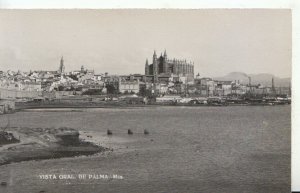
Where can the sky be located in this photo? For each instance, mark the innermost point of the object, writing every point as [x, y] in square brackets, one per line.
[218, 41]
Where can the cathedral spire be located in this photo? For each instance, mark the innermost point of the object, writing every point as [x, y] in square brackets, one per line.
[147, 67]
[154, 57]
[154, 54]
[165, 55]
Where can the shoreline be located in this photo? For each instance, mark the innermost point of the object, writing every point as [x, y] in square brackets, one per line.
[126, 106]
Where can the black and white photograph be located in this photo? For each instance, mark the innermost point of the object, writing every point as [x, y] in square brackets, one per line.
[145, 100]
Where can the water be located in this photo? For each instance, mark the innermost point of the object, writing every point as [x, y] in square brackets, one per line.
[189, 149]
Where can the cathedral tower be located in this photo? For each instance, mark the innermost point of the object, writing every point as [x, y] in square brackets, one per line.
[146, 68]
[61, 69]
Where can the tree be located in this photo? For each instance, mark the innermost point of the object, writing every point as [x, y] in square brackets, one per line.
[92, 92]
[145, 92]
[111, 89]
[74, 77]
[61, 88]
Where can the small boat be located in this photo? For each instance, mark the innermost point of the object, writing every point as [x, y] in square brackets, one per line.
[130, 132]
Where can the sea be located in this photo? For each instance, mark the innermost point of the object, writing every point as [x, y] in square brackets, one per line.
[232, 149]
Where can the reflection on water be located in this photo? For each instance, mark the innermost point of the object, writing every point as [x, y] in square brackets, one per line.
[205, 149]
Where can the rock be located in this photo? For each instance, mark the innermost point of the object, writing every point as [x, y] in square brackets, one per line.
[130, 132]
[67, 136]
[109, 132]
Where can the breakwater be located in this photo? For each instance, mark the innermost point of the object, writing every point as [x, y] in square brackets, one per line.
[118, 104]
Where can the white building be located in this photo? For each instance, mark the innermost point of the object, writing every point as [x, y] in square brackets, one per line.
[129, 86]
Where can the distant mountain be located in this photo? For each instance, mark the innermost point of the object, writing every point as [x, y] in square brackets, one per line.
[263, 78]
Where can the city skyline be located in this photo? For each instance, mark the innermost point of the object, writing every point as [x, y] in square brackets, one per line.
[120, 41]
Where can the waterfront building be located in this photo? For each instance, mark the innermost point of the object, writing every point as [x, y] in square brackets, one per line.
[241, 90]
[131, 86]
[223, 88]
[30, 86]
[17, 94]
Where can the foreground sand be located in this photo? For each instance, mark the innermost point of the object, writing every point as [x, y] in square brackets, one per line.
[46, 143]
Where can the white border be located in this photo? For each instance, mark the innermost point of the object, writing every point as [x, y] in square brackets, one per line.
[148, 4]
[199, 4]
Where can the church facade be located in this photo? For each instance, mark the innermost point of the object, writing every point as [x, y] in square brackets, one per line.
[163, 66]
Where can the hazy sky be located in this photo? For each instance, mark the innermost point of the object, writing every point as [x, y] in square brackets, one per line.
[119, 41]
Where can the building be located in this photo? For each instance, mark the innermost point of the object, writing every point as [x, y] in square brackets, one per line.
[129, 86]
[223, 88]
[163, 67]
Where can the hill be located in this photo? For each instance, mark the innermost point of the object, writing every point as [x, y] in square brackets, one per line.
[263, 78]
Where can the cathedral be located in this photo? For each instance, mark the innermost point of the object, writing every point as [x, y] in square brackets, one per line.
[164, 66]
